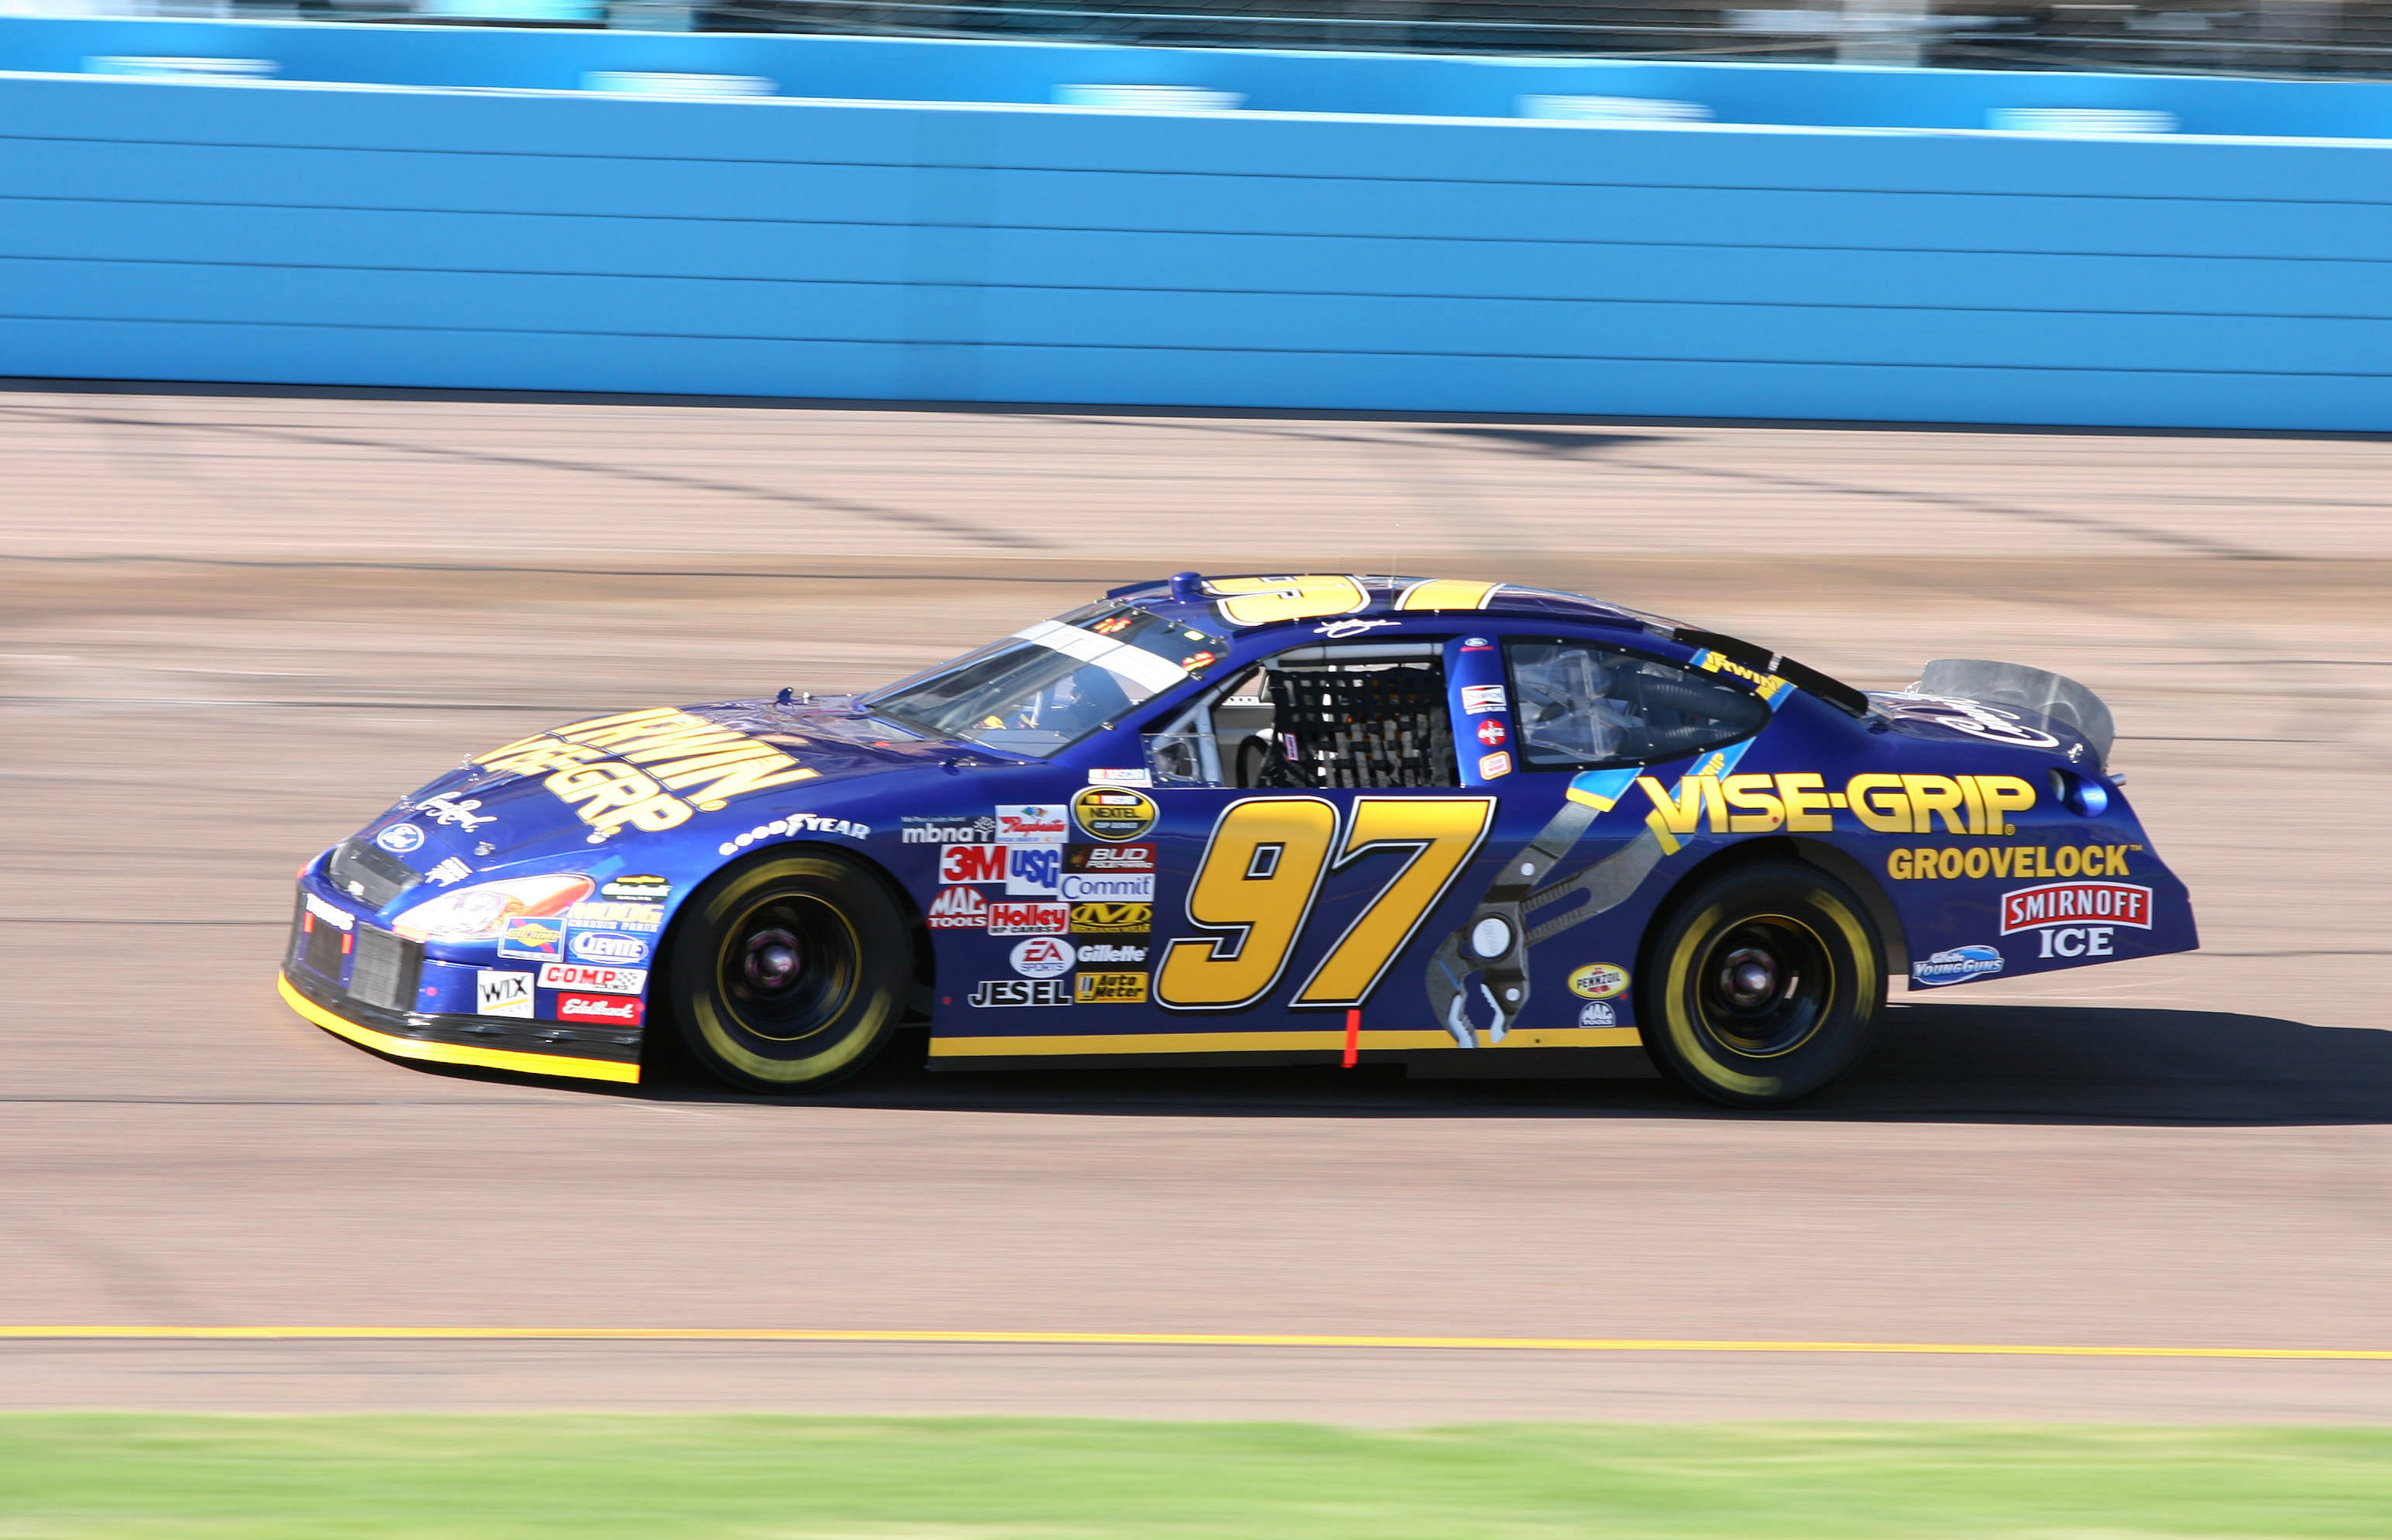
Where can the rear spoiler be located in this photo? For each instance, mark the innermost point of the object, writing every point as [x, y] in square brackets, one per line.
[2046, 695]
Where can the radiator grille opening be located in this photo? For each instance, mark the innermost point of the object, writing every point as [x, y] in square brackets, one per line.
[371, 874]
[318, 948]
[385, 970]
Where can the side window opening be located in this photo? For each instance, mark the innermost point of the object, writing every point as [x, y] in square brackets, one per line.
[1317, 717]
[1580, 705]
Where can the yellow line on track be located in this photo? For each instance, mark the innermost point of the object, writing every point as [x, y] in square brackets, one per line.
[1150, 1339]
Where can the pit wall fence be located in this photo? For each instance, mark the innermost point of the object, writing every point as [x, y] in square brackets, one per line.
[901, 219]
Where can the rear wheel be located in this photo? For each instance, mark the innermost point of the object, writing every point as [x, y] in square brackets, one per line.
[789, 973]
[1761, 985]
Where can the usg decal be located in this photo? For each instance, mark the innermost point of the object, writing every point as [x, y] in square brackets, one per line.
[1031, 870]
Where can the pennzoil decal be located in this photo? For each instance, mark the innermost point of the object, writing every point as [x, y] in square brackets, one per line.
[649, 769]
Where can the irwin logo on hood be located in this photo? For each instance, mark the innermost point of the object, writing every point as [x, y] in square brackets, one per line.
[649, 769]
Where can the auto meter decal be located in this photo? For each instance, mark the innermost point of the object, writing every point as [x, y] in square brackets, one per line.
[1113, 813]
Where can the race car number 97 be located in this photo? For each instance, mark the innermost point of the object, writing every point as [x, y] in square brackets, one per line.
[1262, 871]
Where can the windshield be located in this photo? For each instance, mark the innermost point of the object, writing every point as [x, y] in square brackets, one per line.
[1050, 684]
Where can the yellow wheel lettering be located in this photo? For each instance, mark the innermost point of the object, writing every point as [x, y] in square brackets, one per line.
[1263, 601]
[1443, 832]
[1254, 888]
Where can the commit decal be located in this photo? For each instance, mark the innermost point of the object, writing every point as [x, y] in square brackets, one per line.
[649, 769]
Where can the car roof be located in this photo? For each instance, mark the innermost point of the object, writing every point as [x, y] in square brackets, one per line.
[1241, 603]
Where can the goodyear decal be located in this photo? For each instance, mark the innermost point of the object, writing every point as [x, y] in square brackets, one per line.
[649, 769]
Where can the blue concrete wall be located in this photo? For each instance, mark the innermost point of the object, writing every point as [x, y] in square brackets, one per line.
[337, 234]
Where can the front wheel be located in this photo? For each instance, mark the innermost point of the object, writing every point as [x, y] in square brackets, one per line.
[789, 973]
[1761, 985]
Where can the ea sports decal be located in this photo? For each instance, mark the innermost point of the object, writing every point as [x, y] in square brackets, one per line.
[1041, 957]
[1113, 813]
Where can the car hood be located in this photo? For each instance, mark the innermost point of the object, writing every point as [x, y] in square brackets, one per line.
[678, 776]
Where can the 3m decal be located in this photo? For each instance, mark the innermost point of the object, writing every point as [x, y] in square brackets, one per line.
[1113, 813]
[650, 769]
[501, 992]
[582, 975]
[1266, 601]
[1110, 989]
[1261, 870]
[2016, 861]
[1111, 919]
[1027, 916]
[974, 863]
[2074, 903]
[1599, 981]
[958, 910]
[992, 992]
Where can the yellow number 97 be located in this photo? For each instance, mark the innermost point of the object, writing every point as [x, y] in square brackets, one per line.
[1256, 884]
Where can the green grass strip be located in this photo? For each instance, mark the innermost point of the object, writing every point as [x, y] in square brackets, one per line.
[69, 1476]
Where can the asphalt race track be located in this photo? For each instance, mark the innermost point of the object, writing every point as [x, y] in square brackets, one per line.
[232, 627]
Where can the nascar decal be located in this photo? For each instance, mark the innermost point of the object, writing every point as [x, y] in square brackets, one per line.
[650, 769]
[1113, 813]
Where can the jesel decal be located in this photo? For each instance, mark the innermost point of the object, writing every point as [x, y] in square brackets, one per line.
[1800, 803]
[649, 769]
[1910, 865]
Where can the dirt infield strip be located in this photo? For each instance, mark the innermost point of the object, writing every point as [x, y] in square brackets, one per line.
[232, 627]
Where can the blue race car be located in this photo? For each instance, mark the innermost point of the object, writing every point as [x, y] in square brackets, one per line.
[1466, 826]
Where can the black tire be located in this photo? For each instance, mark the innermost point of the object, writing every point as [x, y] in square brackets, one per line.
[790, 972]
[1761, 985]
